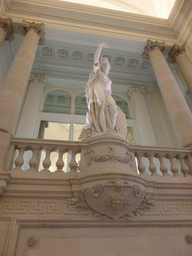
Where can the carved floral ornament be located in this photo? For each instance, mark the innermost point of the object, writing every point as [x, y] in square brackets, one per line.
[7, 25]
[188, 239]
[38, 27]
[150, 46]
[31, 242]
[115, 199]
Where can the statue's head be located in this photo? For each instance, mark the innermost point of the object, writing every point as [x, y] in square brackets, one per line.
[105, 65]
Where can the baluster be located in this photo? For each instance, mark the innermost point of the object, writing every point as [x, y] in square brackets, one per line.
[73, 163]
[141, 165]
[33, 161]
[174, 167]
[152, 166]
[184, 167]
[19, 161]
[163, 167]
[47, 162]
[60, 163]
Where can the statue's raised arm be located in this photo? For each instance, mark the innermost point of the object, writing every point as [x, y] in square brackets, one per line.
[102, 114]
[98, 52]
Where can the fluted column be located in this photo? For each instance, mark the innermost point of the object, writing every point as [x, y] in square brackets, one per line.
[6, 30]
[179, 56]
[176, 105]
[15, 83]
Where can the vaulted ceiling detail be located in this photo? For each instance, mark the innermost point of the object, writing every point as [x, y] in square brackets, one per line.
[154, 8]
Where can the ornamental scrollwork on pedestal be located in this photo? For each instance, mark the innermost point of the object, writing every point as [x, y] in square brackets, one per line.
[114, 199]
[38, 27]
[109, 157]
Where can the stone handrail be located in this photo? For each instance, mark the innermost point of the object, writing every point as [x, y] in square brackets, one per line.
[172, 161]
[149, 160]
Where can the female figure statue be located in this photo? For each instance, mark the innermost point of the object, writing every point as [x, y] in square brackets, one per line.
[102, 112]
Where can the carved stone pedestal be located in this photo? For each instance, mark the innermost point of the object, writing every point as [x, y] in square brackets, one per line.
[107, 153]
[108, 184]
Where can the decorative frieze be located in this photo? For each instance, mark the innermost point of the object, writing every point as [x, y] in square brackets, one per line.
[150, 46]
[7, 25]
[146, 65]
[61, 53]
[119, 61]
[47, 52]
[38, 27]
[78, 206]
[77, 55]
[133, 63]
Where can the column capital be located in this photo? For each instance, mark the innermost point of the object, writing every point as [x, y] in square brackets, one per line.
[150, 46]
[39, 78]
[175, 51]
[7, 25]
[135, 89]
[38, 27]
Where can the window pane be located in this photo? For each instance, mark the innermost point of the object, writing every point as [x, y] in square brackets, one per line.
[81, 104]
[77, 130]
[57, 101]
[129, 136]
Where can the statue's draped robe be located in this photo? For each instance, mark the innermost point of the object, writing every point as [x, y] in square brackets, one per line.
[98, 93]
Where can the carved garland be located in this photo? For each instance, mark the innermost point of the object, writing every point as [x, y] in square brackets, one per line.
[109, 157]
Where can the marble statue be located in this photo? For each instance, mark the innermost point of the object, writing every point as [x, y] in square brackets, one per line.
[103, 111]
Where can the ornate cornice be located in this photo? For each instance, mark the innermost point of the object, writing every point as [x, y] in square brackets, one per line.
[38, 27]
[175, 51]
[150, 46]
[94, 17]
[6, 24]
[125, 78]
[74, 15]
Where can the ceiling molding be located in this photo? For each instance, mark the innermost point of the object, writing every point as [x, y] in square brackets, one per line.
[100, 21]
[116, 78]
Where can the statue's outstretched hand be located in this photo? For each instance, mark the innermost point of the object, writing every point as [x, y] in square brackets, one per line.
[103, 45]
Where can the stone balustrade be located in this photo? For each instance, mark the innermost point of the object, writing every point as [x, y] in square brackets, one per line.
[150, 161]
[162, 161]
[35, 146]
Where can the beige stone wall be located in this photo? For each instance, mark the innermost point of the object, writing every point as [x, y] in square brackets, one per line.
[47, 237]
